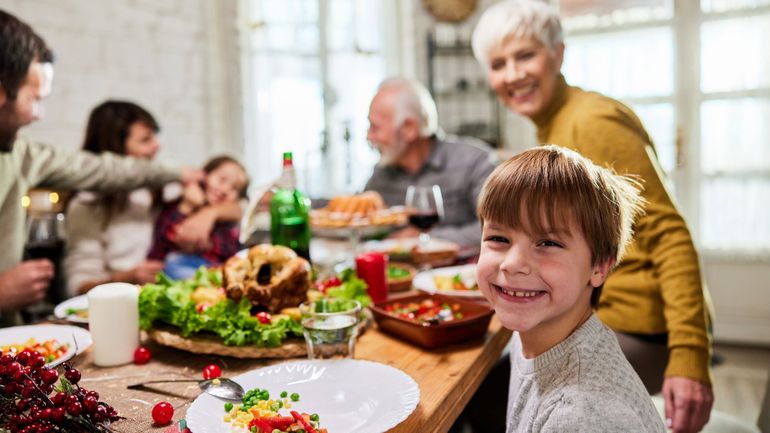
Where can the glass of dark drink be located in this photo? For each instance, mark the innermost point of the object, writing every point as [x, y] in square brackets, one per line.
[44, 241]
[425, 207]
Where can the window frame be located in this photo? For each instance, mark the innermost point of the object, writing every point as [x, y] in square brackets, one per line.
[687, 99]
[329, 144]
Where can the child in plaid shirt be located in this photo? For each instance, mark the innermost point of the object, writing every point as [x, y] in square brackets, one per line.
[226, 181]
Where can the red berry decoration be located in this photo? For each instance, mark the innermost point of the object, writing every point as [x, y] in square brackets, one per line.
[29, 404]
[23, 357]
[36, 360]
[90, 404]
[74, 409]
[73, 375]
[162, 413]
[49, 376]
[141, 355]
[212, 371]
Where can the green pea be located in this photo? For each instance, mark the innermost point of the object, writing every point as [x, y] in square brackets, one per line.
[294, 396]
[228, 407]
[284, 394]
[314, 417]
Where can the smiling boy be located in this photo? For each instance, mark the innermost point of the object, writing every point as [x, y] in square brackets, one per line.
[554, 224]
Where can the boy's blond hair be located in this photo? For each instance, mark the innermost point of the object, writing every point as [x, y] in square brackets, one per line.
[542, 189]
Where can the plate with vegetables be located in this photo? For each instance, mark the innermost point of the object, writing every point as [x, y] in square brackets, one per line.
[336, 396]
[74, 309]
[56, 343]
[449, 281]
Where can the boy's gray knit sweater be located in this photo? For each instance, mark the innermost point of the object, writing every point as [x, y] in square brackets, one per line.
[583, 384]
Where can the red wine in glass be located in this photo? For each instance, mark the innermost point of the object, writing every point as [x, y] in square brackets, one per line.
[424, 220]
[426, 208]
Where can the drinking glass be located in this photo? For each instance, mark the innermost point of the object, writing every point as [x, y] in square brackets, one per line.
[425, 207]
[330, 327]
[45, 241]
[43, 237]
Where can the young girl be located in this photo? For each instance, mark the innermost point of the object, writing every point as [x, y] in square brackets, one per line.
[226, 182]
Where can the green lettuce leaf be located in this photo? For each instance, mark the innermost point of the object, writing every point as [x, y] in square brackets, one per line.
[352, 288]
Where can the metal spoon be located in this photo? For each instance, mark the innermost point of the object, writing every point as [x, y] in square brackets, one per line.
[220, 387]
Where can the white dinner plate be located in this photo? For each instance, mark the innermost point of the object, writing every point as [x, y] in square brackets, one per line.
[76, 303]
[424, 280]
[349, 395]
[73, 336]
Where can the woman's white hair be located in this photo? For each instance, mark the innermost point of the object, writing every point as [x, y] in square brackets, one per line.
[412, 100]
[518, 19]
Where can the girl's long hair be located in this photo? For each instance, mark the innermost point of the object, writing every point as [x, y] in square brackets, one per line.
[108, 129]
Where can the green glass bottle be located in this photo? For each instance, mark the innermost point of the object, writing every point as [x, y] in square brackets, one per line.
[290, 212]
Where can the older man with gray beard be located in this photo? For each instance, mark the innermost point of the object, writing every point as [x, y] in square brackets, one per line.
[403, 127]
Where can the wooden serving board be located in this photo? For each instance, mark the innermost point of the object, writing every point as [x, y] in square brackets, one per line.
[211, 345]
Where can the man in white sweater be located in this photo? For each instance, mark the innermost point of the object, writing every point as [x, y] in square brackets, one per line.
[553, 226]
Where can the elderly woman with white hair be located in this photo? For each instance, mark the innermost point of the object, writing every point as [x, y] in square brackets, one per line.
[654, 300]
[403, 127]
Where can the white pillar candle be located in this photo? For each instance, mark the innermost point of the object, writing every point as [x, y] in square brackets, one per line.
[113, 319]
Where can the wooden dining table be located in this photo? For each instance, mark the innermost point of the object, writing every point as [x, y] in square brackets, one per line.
[447, 377]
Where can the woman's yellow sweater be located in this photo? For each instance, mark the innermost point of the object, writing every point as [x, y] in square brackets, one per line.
[657, 287]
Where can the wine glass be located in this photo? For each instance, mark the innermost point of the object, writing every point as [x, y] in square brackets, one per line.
[425, 207]
[44, 241]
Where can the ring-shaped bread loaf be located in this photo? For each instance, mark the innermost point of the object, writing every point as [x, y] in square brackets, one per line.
[272, 276]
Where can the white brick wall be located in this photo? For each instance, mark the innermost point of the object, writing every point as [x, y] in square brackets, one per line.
[177, 58]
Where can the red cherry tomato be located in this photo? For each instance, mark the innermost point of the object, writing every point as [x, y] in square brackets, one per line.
[162, 413]
[141, 355]
[264, 317]
[212, 371]
[326, 284]
[333, 282]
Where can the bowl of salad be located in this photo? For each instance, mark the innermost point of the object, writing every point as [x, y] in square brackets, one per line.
[432, 321]
[400, 276]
